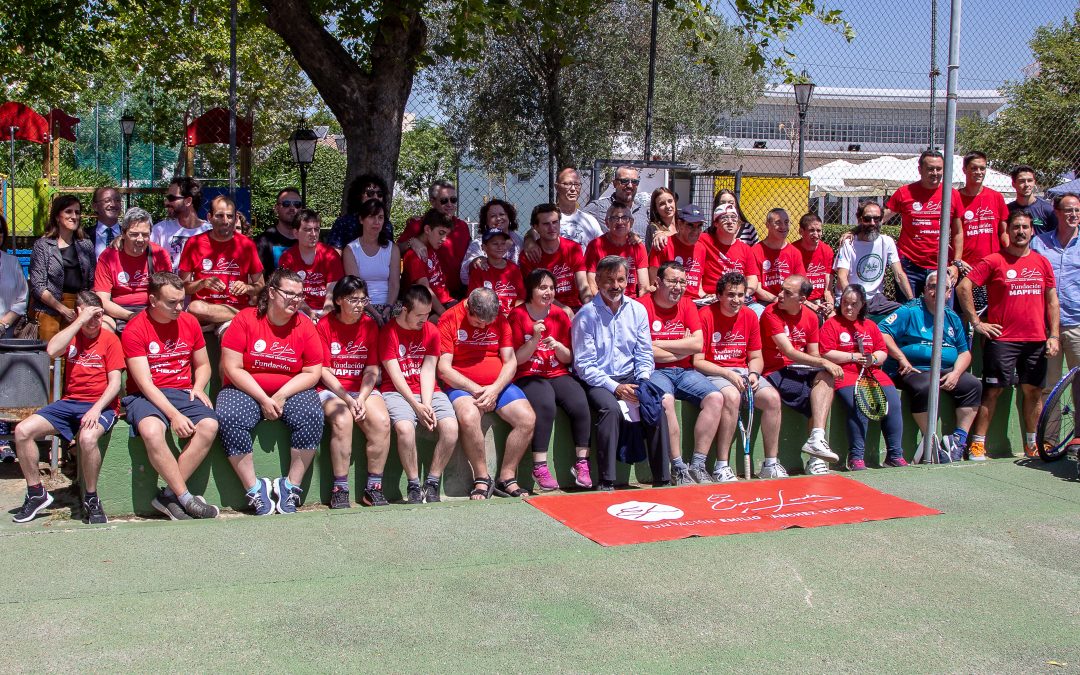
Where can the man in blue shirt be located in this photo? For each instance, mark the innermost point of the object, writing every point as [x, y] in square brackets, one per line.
[1043, 217]
[612, 354]
[909, 337]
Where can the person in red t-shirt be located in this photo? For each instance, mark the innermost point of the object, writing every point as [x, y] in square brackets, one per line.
[500, 274]
[1022, 300]
[817, 260]
[982, 212]
[317, 264]
[350, 340]
[443, 198]
[87, 410]
[124, 268]
[220, 269]
[675, 327]
[789, 340]
[168, 371]
[775, 257]
[409, 353]
[616, 241]
[477, 364]
[686, 248]
[851, 341]
[427, 268]
[271, 360]
[559, 255]
[544, 356]
[726, 252]
[732, 360]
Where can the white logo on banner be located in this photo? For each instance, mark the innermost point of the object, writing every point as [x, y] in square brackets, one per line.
[644, 512]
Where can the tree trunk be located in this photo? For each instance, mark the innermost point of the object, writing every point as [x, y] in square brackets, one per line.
[368, 104]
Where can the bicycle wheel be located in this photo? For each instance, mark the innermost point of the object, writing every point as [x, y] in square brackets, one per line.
[1057, 421]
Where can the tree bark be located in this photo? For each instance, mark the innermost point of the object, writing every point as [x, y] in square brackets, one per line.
[368, 103]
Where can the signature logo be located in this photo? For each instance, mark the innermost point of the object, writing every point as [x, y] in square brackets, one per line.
[644, 512]
[724, 502]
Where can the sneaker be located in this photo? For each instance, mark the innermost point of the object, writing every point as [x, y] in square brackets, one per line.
[580, 472]
[856, 464]
[1031, 451]
[414, 495]
[725, 474]
[7, 455]
[169, 505]
[262, 502]
[287, 498]
[700, 474]
[681, 477]
[339, 498]
[31, 506]
[819, 447]
[92, 513]
[776, 470]
[373, 496]
[977, 451]
[951, 450]
[816, 467]
[431, 491]
[544, 480]
[896, 462]
[1071, 448]
[605, 486]
[199, 509]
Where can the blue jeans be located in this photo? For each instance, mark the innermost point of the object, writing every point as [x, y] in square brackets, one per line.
[685, 384]
[892, 425]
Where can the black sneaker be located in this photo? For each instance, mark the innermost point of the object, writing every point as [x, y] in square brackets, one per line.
[373, 496]
[169, 506]
[682, 476]
[199, 509]
[431, 491]
[605, 486]
[339, 498]
[92, 513]
[31, 506]
[701, 475]
[415, 495]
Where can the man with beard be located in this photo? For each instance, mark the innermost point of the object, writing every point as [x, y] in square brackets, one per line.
[863, 260]
[182, 201]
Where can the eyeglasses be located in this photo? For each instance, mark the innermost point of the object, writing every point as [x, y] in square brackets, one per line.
[675, 282]
[628, 181]
[287, 203]
[373, 192]
[289, 297]
[571, 186]
[173, 198]
[448, 200]
[619, 219]
[871, 219]
[356, 302]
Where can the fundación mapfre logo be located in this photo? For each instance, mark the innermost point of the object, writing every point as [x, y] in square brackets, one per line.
[644, 512]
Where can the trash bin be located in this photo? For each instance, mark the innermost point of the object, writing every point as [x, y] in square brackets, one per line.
[24, 374]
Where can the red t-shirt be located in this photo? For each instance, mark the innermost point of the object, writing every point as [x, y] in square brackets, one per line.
[721, 259]
[839, 334]
[168, 348]
[408, 348]
[730, 339]
[982, 216]
[272, 354]
[564, 264]
[817, 266]
[507, 283]
[451, 253]
[89, 362]
[633, 253]
[801, 330]
[920, 222]
[672, 323]
[475, 350]
[1015, 293]
[326, 269]
[690, 257]
[431, 268]
[776, 266]
[543, 362]
[349, 348]
[125, 277]
[230, 261]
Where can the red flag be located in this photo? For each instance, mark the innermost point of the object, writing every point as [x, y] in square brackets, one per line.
[213, 127]
[63, 124]
[31, 126]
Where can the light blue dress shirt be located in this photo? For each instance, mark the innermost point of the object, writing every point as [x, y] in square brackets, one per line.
[611, 344]
[1066, 263]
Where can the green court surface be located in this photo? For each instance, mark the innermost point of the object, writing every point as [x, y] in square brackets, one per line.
[992, 585]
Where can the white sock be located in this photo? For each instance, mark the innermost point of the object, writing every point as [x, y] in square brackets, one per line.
[1029, 439]
[719, 464]
[769, 461]
[817, 433]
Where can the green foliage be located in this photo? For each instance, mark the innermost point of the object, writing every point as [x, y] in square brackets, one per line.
[326, 175]
[1040, 125]
[426, 156]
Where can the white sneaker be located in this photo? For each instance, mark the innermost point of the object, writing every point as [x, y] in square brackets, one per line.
[725, 475]
[773, 471]
[820, 448]
[816, 467]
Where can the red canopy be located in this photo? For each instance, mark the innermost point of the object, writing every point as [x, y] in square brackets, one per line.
[63, 124]
[213, 127]
[31, 126]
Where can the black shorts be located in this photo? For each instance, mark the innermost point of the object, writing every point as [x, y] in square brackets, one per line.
[139, 408]
[1006, 364]
[794, 385]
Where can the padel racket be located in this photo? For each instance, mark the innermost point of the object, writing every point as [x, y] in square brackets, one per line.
[869, 396]
[746, 423]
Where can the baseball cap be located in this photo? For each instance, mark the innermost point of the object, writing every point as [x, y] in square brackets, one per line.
[721, 209]
[691, 213]
[490, 234]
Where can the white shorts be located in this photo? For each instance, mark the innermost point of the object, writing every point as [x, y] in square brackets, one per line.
[325, 394]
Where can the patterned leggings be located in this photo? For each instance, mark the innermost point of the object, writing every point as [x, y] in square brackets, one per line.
[238, 414]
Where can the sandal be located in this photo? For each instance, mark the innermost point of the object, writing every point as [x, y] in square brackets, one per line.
[502, 488]
[482, 492]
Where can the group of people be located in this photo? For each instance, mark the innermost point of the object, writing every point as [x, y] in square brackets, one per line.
[610, 312]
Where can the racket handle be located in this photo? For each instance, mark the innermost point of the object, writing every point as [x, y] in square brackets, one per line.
[747, 462]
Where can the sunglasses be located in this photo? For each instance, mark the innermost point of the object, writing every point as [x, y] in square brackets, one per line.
[628, 181]
[173, 198]
[448, 200]
[291, 203]
[871, 219]
[372, 192]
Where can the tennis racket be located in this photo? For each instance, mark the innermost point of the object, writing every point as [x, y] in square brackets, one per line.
[746, 423]
[869, 396]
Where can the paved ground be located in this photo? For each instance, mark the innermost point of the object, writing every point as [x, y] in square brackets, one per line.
[990, 586]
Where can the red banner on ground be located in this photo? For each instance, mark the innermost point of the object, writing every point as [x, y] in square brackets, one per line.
[663, 514]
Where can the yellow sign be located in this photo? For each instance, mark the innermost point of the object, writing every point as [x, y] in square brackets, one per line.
[761, 194]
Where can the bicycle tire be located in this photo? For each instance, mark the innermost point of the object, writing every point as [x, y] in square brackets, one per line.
[1062, 400]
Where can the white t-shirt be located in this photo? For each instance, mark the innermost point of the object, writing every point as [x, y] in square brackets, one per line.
[580, 227]
[867, 261]
[169, 235]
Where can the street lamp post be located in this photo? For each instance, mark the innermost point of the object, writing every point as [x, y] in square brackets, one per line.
[804, 89]
[127, 127]
[302, 147]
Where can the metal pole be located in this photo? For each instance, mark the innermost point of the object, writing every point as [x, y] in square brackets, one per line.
[931, 436]
[11, 182]
[802, 145]
[232, 100]
[303, 184]
[652, 80]
[934, 73]
[127, 171]
[97, 138]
